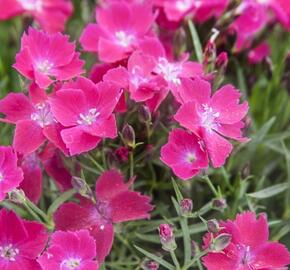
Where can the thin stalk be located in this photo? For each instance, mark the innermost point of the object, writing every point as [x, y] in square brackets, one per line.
[174, 259]
[99, 166]
[211, 186]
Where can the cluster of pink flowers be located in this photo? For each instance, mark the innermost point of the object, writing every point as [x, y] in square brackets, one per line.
[66, 114]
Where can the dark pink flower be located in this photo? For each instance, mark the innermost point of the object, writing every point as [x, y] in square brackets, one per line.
[21, 242]
[249, 247]
[115, 203]
[10, 174]
[118, 31]
[184, 153]
[51, 15]
[212, 117]
[33, 119]
[70, 250]
[259, 53]
[86, 110]
[46, 58]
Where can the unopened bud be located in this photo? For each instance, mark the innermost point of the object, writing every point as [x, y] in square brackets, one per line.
[194, 248]
[17, 196]
[186, 206]
[144, 114]
[213, 226]
[167, 238]
[222, 61]
[221, 242]
[128, 134]
[150, 265]
[209, 56]
[122, 153]
[219, 204]
[81, 187]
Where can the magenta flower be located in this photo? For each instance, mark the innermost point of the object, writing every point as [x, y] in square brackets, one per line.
[212, 117]
[184, 153]
[118, 31]
[33, 119]
[115, 203]
[45, 58]
[259, 53]
[86, 110]
[51, 15]
[249, 247]
[70, 250]
[171, 71]
[10, 174]
[21, 242]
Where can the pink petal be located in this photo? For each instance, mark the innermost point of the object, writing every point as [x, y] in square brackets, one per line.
[218, 261]
[109, 184]
[90, 37]
[226, 102]
[118, 76]
[129, 205]
[232, 131]
[16, 107]
[10, 8]
[42, 80]
[77, 141]
[152, 47]
[28, 136]
[24, 63]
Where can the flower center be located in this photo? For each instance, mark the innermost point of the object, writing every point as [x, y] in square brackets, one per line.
[71, 264]
[44, 66]
[190, 157]
[124, 39]
[169, 71]
[31, 4]
[1, 177]
[184, 5]
[8, 252]
[137, 78]
[42, 115]
[208, 117]
[89, 118]
[262, 2]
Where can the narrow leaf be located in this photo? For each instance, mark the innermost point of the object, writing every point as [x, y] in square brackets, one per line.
[269, 192]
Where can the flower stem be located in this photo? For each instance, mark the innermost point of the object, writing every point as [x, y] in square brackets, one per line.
[211, 186]
[174, 259]
[131, 157]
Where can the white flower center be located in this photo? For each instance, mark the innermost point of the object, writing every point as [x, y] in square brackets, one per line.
[31, 4]
[44, 66]
[263, 2]
[43, 115]
[8, 252]
[1, 177]
[208, 117]
[137, 78]
[71, 264]
[169, 71]
[190, 157]
[89, 118]
[124, 39]
[183, 5]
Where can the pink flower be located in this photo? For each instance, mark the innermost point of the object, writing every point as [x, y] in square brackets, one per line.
[115, 203]
[86, 110]
[212, 118]
[51, 15]
[33, 119]
[259, 53]
[21, 242]
[10, 174]
[249, 247]
[171, 71]
[118, 31]
[184, 154]
[46, 58]
[70, 250]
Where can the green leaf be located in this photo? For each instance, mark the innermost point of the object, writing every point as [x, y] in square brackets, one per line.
[177, 191]
[59, 201]
[155, 258]
[269, 192]
[196, 41]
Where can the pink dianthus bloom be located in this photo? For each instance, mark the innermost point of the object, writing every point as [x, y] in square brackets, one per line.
[51, 15]
[212, 117]
[118, 31]
[115, 203]
[33, 119]
[70, 250]
[86, 110]
[184, 153]
[21, 242]
[45, 58]
[259, 53]
[10, 174]
[249, 247]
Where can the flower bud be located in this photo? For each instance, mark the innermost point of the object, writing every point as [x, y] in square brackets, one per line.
[122, 153]
[149, 265]
[186, 206]
[128, 134]
[17, 196]
[144, 114]
[213, 226]
[167, 238]
[222, 61]
[209, 56]
[219, 204]
[221, 242]
[81, 187]
[194, 248]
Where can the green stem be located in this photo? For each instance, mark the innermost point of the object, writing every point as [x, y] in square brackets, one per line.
[186, 239]
[32, 213]
[195, 259]
[100, 167]
[131, 157]
[211, 186]
[35, 209]
[174, 259]
[195, 41]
